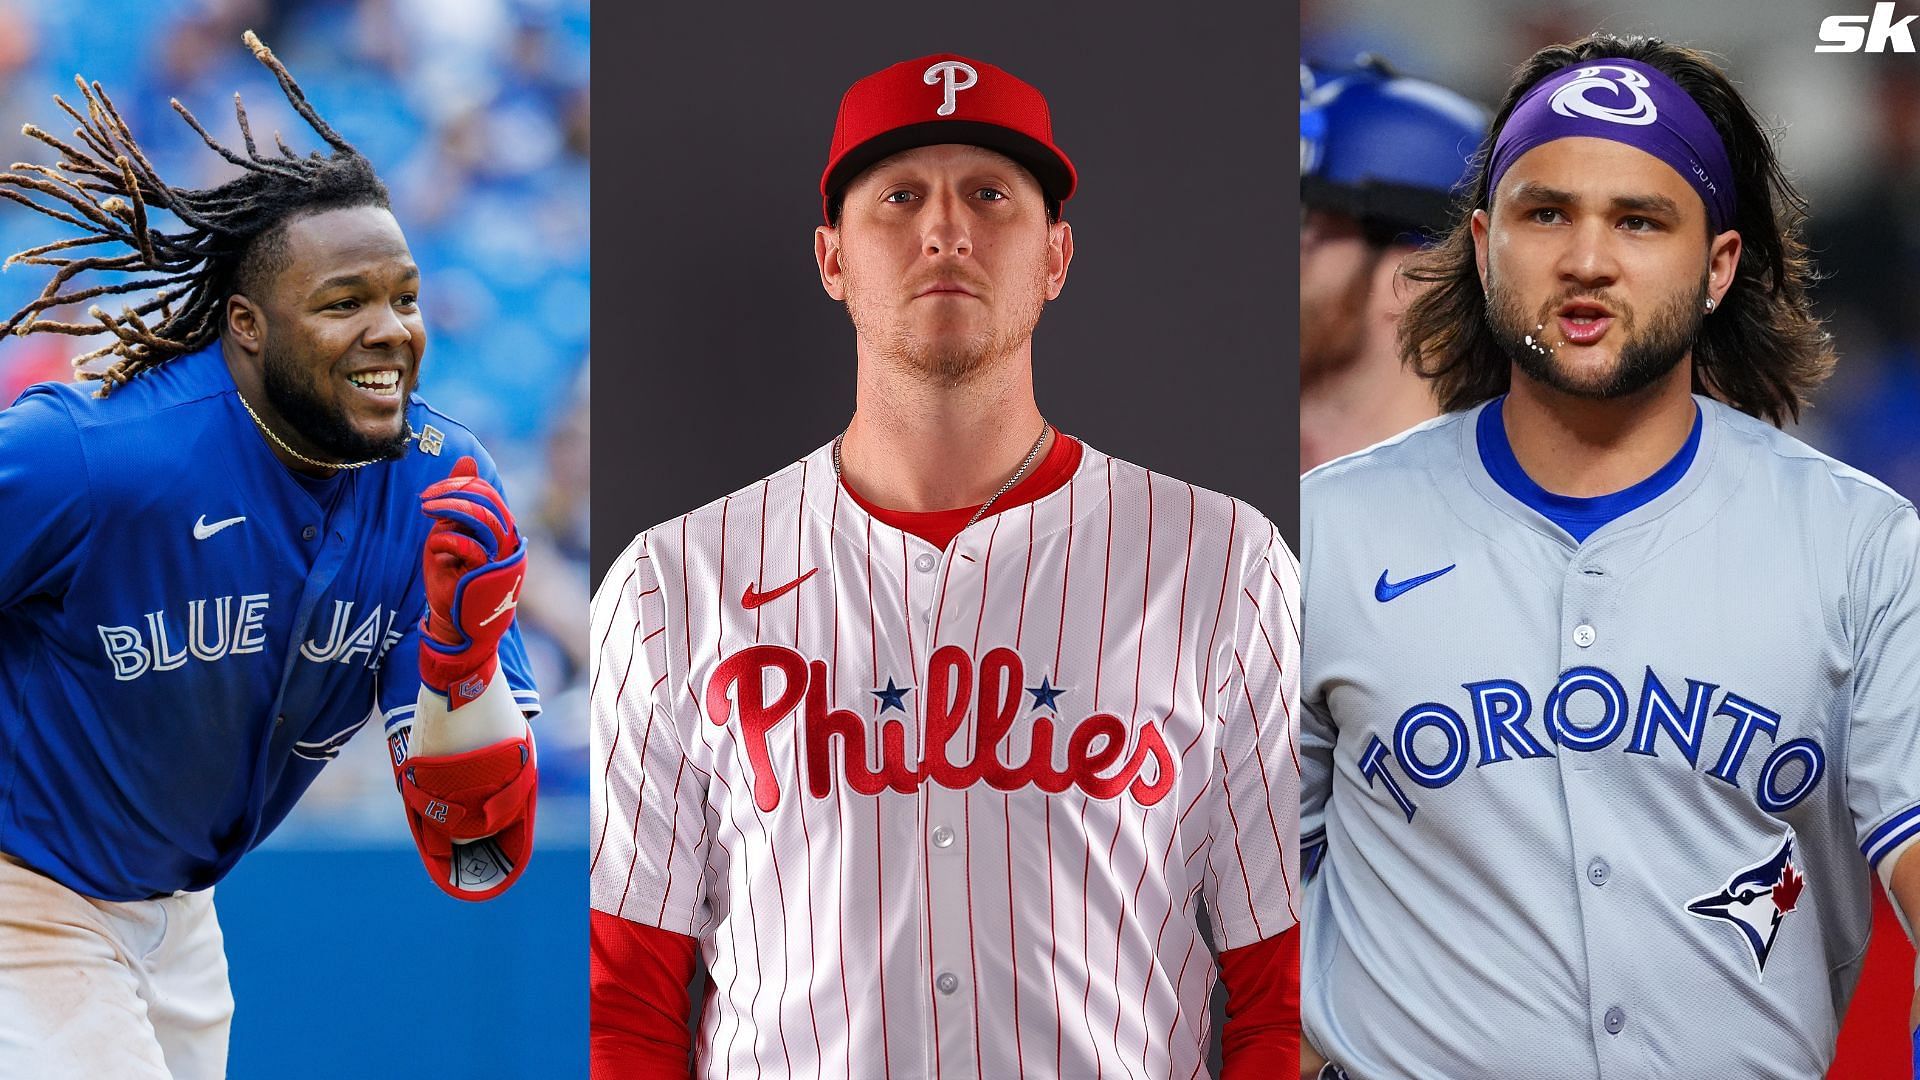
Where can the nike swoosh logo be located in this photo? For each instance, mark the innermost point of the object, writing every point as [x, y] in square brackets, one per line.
[1384, 590]
[751, 599]
[202, 530]
[512, 601]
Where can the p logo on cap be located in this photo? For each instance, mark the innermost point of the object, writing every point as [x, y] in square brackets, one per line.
[947, 69]
[943, 98]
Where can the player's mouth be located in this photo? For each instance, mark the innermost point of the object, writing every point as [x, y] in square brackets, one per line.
[381, 384]
[944, 288]
[1584, 324]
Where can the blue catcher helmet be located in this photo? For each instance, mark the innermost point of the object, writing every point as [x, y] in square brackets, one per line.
[1385, 149]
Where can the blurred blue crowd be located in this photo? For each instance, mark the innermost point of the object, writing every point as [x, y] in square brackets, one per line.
[1848, 130]
[475, 112]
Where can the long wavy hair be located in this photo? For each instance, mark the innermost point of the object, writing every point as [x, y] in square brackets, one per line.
[1762, 352]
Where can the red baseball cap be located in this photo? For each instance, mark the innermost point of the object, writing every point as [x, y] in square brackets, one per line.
[943, 98]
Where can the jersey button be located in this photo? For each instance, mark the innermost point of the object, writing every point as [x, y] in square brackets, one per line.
[1615, 1019]
[947, 983]
[925, 563]
[1598, 871]
[309, 533]
[943, 837]
[1583, 635]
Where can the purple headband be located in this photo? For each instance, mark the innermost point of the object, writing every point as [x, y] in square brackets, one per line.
[1631, 103]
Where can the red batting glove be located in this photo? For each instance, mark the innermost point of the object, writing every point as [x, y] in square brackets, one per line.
[473, 565]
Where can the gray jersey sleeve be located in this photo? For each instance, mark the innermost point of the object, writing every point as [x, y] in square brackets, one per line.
[1883, 748]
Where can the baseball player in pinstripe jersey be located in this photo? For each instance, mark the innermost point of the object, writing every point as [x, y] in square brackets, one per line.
[932, 743]
[1610, 685]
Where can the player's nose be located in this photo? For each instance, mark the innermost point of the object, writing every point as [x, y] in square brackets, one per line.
[385, 329]
[1589, 257]
[945, 225]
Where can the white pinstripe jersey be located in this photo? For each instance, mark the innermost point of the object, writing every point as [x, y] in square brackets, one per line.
[796, 784]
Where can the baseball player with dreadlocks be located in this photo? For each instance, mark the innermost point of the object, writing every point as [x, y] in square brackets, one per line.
[249, 542]
[1612, 688]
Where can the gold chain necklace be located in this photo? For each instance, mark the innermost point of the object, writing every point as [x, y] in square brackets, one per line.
[297, 455]
[1025, 464]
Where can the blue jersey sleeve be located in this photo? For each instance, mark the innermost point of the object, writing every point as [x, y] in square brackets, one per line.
[44, 498]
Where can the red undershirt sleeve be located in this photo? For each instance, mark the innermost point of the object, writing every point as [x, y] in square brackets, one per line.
[1262, 1035]
[638, 978]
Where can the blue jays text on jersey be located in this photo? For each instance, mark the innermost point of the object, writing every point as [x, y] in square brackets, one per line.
[189, 631]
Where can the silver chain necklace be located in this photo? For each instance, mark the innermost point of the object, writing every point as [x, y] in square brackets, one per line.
[1025, 464]
[297, 455]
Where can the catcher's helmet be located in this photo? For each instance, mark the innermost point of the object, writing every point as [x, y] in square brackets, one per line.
[1383, 148]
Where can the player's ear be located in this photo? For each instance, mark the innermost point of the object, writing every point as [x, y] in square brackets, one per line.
[1059, 257]
[826, 252]
[1723, 261]
[1478, 225]
[246, 324]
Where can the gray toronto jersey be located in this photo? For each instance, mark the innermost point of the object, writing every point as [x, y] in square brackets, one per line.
[1598, 809]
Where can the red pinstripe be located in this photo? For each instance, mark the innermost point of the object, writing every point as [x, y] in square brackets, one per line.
[1226, 783]
[633, 840]
[1086, 866]
[1173, 701]
[920, 799]
[879, 857]
[1013, 949]
[1260, 760]
[593, 686]
[833, 668]
[966, 804]
[1280, 669]
[786, 976]
[753, 927]
[1177, 981]
[606, 774]
[672, 830]
[1066, 575]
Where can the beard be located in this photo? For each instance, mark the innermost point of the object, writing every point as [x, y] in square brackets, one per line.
[300, 399]
[1333, 328]
[1648, 356]
[946, 359]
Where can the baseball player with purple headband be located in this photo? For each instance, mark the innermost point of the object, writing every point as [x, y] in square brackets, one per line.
[253, 540]
[1612, 688]
[931, 744]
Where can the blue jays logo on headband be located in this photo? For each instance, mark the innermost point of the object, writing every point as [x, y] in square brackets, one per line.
[1572, 100]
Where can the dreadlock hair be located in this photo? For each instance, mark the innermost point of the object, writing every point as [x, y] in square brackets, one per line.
[232, 237]
[1762, 352]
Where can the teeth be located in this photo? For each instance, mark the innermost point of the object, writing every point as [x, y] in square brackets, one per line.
[384, 380]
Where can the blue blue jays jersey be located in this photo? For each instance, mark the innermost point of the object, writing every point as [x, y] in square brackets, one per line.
[189, 631]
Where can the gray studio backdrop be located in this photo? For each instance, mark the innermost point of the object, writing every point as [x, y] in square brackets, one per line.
[1173, 345]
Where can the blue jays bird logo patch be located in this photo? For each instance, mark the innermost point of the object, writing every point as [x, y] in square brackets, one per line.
[1756, 899]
